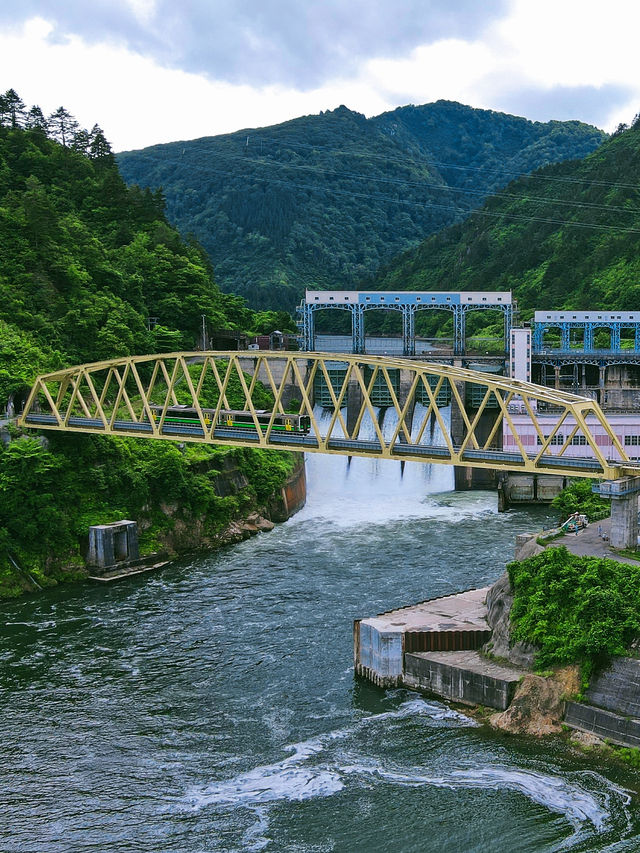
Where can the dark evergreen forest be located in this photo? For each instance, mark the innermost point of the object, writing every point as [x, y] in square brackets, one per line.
[322, 201]
[568, 236]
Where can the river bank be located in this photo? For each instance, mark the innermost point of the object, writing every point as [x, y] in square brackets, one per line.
[183, 498]
[472, 647]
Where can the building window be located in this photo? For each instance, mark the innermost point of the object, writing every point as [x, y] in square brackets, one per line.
[632, 440]
[579, 439]
[557, 439]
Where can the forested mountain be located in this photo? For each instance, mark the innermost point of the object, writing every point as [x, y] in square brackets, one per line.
[567, 236]
[85, 261]
[323, 200]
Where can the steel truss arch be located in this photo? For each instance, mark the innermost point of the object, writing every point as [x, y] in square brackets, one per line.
[140, 396]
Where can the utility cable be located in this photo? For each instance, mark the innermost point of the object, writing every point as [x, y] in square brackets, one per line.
[405, 202]
[440, 164]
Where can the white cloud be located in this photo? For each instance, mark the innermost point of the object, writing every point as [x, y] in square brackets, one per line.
[519, 61]
[437, 71]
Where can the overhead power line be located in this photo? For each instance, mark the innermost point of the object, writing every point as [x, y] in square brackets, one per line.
[427, 184]
[400, 201]
[440, 164]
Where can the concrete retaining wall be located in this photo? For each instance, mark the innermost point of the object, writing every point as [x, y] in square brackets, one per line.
[461, 676]
[617, 689]
[528, 488]
[604, 724]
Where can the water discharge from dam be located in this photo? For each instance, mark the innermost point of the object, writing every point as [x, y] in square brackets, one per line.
[213, 706]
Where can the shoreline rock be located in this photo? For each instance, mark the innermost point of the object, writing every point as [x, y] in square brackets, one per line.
[538, 705]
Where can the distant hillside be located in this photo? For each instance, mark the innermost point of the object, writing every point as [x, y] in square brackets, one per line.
[566, 237]
[324, 200]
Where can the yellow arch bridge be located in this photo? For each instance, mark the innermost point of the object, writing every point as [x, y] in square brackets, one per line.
[272, 400]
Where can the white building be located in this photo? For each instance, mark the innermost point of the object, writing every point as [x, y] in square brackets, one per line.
[520, 354]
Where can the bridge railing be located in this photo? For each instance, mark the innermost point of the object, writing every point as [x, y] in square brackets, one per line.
[268, 399]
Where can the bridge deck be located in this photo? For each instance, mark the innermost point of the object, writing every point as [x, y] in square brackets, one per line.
[143, 396]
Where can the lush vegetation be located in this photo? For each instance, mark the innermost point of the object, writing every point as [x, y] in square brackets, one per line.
[90, 269]
[323, 200]
[575, 609]
[51, 493]
[566, 237]
[578, 497]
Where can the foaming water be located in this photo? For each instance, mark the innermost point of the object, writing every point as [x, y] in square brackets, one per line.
[290, 779]
[349, 491]
[212, 706]
[325, 765]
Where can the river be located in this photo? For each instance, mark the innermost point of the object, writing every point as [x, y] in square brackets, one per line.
[213, 707]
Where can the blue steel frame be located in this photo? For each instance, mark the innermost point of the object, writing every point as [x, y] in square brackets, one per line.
[409, 305]
[588, 327]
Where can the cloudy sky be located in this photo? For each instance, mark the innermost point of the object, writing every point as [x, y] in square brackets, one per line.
[159, 70]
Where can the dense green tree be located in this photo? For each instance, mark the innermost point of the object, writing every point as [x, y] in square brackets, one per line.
[14, 108]
[35, 120]
[62, 126]
[322, 201]
[99, 147]
[85, 264]
[566, 237]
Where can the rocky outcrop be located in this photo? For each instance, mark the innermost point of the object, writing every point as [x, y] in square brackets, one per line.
[499, 602]
[191, 534]
[538, 704]
[293, 494]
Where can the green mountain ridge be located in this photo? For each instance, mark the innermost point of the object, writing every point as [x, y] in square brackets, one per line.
[567, 236]
[323, 200]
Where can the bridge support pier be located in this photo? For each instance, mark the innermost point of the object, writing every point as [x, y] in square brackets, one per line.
[624, 510]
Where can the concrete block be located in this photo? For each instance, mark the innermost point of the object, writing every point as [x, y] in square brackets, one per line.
[464, 677]
[605, 724]
[520, 488]
[548, 487]
[379, 655]
[113, 543]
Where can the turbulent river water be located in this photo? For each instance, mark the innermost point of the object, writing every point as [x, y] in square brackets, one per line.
[213, 707]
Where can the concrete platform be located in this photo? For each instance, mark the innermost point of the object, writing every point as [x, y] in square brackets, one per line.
[120, 573]
[454, 622]
[464, 676]
[589, 543]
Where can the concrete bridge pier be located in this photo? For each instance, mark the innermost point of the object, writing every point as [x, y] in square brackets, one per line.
[624, 510]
